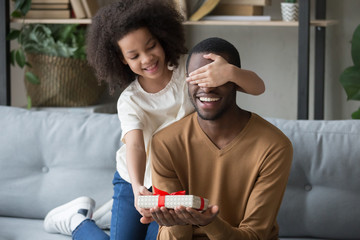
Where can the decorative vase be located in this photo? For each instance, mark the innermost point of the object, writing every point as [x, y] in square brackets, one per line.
[290, 11]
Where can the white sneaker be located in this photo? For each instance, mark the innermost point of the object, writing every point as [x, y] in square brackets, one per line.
[58, 220]
[102, 216]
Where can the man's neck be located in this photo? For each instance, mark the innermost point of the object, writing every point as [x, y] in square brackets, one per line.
[224, 129]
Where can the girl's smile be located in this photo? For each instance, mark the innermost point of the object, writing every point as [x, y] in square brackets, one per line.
[152, 68]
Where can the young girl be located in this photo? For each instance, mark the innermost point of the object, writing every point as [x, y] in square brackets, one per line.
[140, 45]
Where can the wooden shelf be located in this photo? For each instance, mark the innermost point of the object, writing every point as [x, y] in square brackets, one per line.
[54, 21]
[276, 23]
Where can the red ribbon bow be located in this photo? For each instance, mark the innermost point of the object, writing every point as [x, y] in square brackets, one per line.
[162, 194]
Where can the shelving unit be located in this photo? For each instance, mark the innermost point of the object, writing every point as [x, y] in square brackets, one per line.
[303, 25]
[276, 23]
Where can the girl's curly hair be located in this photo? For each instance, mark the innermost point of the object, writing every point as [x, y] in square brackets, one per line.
[114, 21]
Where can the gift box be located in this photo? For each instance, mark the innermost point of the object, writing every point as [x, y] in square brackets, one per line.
[172, 201]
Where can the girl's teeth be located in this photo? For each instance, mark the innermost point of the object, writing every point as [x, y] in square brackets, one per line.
[206, 99]
[151, 67]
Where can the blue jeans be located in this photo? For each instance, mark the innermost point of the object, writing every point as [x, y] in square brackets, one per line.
[125, 220]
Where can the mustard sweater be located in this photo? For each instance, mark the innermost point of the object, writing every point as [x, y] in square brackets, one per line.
[246, 178]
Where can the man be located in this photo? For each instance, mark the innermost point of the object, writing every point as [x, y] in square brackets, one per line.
[232, 157]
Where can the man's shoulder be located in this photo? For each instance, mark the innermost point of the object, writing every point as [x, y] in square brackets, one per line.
[175, 129]
[269, 131]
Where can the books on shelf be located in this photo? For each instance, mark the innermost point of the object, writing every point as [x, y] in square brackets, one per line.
[50, 1]
[204, 9]
[49, 9]
[237, 9]
[181, 6]
[248, 2]
[78, 8]
[58, 9]
[48, 14]
[230, 7]
[236, 18]
[42, 6]
[91, 7]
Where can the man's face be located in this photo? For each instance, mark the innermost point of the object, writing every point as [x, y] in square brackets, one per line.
[210, 103]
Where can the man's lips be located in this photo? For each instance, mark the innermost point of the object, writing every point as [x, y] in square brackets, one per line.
[209, 99]
[208, 102]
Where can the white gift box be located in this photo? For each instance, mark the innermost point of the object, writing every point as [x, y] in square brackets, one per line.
[172, 201]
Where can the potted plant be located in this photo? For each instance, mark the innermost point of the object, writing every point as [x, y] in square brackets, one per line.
[290, 10]
[350, 77]
[54, 57]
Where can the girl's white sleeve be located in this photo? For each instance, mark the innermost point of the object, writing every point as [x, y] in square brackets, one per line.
[130, 115]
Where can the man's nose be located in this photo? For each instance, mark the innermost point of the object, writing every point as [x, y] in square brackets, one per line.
[207, 89]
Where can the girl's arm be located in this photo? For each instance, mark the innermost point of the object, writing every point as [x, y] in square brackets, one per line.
[220, 72]
[136, 163]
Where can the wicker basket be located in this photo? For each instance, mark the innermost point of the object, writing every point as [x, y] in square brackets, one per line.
[64, 82]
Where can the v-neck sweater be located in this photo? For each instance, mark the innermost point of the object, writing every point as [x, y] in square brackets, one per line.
[246, 178]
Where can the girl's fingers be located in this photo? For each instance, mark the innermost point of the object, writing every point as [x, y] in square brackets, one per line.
[197, 77]
[210, 56]
[203, 69]
[203, 85]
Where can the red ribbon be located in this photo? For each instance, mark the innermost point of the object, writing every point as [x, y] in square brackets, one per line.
[202, 204]
[162, 194]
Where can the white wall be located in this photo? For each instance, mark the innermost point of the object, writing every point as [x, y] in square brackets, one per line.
[272, 53]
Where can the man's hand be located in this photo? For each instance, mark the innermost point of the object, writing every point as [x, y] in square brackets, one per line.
[211, 75]
[183, 215]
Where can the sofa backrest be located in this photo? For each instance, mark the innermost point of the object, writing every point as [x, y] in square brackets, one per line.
[323, 192]
[49, 158]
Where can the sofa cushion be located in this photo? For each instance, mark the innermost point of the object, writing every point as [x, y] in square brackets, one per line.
[323, 192]
[31, 229]
[49, 158]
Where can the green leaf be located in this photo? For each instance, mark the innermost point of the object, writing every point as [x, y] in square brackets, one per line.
[32, 78]
[19, 4]
[26, 7]
[20, 58]
[16, 14]
[13, 34]
[29, 103]
[350, 80]
[356, 114]
[66, 32]
[46, 39]
[355, 47]
[13, 57]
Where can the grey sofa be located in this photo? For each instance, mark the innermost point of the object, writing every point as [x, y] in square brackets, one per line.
[49, 158]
